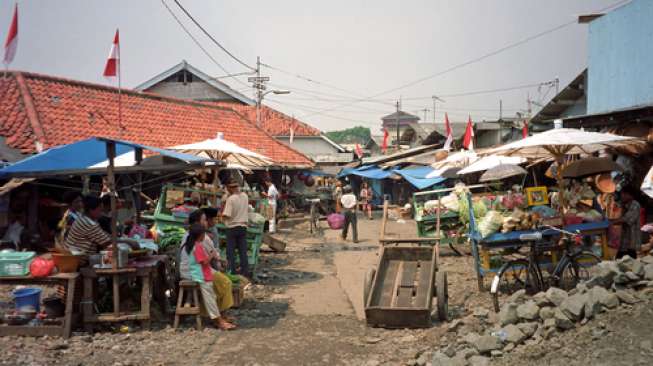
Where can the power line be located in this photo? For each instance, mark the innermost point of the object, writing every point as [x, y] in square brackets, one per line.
[467, 63]
[211, 37]
[199, 44]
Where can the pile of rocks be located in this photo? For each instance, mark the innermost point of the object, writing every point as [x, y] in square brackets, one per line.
[528, 320]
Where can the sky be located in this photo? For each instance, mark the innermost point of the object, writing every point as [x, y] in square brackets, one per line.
[345, 62]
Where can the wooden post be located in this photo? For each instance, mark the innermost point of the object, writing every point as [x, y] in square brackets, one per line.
[384, 220]
[560, 160]
[111, 155]
[438, 237]
[139, 186]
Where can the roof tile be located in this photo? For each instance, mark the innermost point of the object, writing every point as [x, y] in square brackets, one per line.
[70, 110]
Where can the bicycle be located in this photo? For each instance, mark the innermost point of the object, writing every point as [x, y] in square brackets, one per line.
[314, 219]
[526, 273]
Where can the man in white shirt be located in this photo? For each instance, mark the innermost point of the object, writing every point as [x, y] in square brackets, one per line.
[235, 214]
[349, 204]
[272, 196]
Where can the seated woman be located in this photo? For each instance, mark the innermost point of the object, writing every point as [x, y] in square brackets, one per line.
[196, 266]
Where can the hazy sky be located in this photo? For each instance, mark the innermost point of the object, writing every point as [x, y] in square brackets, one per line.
[353, 48]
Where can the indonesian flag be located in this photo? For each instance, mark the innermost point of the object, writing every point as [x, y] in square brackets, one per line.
[384, 145]
[524, 130]
[359, 151]
[12, 39]
[468, 140]
[447, 128]
[112, 67]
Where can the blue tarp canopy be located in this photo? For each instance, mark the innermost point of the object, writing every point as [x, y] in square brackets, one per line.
[414, 175]
[369, 171]
[90, 156]
[417, 176]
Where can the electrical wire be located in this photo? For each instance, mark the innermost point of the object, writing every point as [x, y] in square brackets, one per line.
[469, 62]
[211, 37]
[200, 45]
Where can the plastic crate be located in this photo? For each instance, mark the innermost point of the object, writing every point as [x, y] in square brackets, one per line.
[15, 263]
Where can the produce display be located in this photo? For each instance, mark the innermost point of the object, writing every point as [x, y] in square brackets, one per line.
[171, 236]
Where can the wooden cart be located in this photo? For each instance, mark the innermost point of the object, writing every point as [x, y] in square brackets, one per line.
[399, 292]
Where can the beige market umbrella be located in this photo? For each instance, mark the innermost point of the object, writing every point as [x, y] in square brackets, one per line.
[502, 171]
[221, 149]
[559, 142]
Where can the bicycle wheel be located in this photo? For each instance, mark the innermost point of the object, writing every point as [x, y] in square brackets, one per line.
[515, 275]
[579, 267]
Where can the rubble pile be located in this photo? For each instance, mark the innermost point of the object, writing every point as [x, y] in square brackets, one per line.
[528, 320]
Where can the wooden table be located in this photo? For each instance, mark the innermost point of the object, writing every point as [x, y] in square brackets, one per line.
[67, 279]
[146, 270]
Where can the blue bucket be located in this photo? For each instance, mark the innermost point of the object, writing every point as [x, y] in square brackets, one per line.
[28, 297]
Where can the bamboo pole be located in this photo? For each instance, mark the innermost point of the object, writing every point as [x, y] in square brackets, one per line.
[111, 181]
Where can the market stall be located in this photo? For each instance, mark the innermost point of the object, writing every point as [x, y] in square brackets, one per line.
[94, 156]
[517, 213]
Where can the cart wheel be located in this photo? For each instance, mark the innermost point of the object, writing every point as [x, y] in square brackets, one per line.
[367, 285]
[442, 293]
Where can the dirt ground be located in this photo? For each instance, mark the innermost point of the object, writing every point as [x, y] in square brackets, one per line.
[305, 309]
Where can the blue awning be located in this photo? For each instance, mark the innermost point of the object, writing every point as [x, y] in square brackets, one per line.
[89, 156]
[417, 176]
[368, 171]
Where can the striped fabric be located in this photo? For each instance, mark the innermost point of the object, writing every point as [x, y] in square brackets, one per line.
[86, 236]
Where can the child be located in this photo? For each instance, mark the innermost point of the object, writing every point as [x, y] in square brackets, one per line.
[200, 271]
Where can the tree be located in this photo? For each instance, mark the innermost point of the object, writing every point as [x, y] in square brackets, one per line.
[354, 135]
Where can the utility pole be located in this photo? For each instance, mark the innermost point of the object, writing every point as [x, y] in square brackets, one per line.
[435, 99]
[397, 119]
[258, 83]
[500, 109]
[425, 110]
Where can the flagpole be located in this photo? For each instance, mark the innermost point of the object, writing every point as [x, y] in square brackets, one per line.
[119, 90]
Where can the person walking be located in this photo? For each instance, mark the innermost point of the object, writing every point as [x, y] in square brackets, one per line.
[366, 196]
[272, 195]
[235, 216]
[349, 207]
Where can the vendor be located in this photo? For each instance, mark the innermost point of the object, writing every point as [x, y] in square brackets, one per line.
[337, 195]
[198, 268]
[366, 197]
[631, 236]
[85, 235]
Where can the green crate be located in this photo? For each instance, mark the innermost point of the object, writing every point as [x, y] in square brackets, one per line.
[15, 263]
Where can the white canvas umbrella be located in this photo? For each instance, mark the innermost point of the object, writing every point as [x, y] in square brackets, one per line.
[489, 162]
[221, 149]
[456, 160]
[559, 142]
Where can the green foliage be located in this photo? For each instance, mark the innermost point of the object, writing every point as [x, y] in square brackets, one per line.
[354, 135]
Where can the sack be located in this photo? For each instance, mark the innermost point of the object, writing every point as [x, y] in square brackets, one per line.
[41, 267]
[336, 221]
[256, 218]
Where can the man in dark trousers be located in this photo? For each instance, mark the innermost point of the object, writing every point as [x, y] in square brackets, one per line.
[236, 214]
[349, 204]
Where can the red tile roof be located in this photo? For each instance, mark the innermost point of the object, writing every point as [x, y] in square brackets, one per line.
[55, 111]
[272, 121]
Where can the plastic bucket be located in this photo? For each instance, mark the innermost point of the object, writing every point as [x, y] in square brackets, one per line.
[28, 297]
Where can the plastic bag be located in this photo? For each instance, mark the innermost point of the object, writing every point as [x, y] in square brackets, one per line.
[490, 223]
[256, 218]
[336, 221]
[41, 267]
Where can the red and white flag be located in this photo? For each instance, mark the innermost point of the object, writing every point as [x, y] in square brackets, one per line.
[12, 38]
[112, 68]
[384, 145]
[524, 130]
[468, 140]
[359, 151]
[447, 128]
